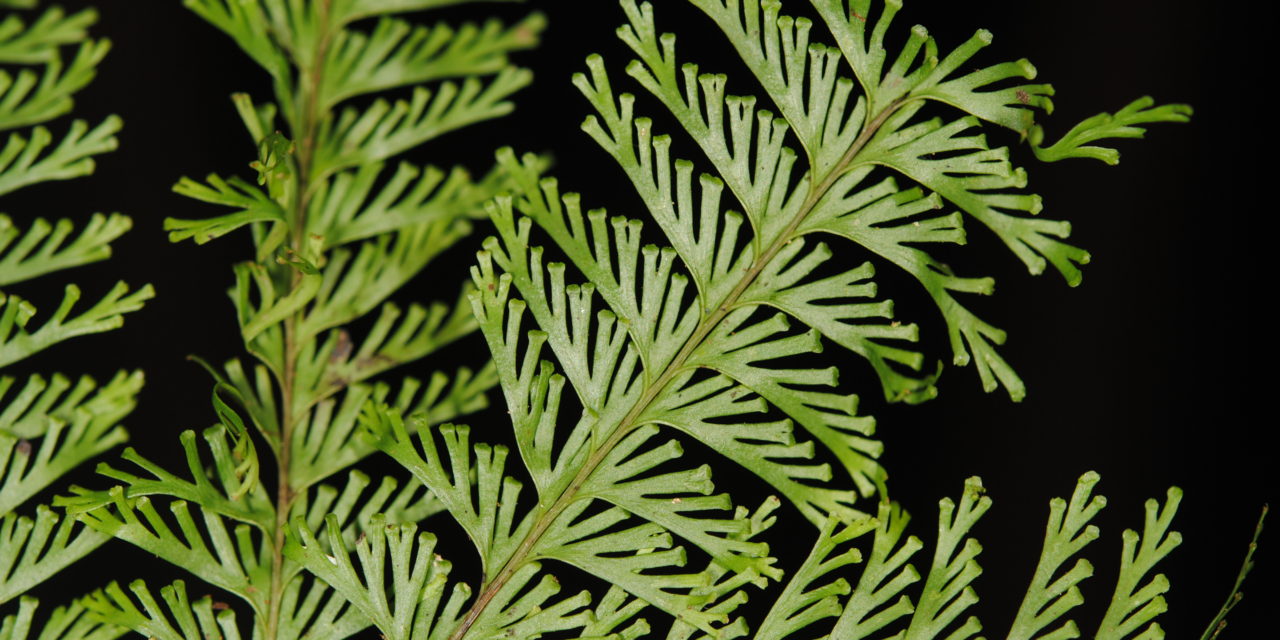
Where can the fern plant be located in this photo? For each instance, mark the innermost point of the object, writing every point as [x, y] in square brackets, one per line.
[51, 425]
[336, 232]
[698, 336]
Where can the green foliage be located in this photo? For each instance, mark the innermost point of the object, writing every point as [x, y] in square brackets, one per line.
[51, 425]
[713, 339]
[714, 336]
[337, 230]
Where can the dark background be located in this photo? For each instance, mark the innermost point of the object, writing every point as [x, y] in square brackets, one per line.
[1150, 372]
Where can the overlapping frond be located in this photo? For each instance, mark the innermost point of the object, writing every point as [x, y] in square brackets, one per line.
[645, 302]
[32, 551]
[49, 427]
[336, 233]
[178, 618]
[728, 362]
[845, 123]
[327, 439]
[813, 594]
[234, 558]
[394, 554]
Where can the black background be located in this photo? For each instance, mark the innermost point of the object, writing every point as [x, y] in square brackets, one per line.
[1151, 372]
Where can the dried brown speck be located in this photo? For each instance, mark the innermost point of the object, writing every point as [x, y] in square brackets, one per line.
[1023, 97]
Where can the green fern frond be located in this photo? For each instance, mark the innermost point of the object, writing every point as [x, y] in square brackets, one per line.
[17, 341]
[71, 622]
[24, 161]
[50, 426]
[396, 53]
[385, 129]
[195, 621]
[44, 248]
[29, 97]
[802, 602]
[41, 441]
[336, 233]
[328, 441]
[640, 348]
[37, 42]
[32, 551]
[1125, 123]
[418, 577]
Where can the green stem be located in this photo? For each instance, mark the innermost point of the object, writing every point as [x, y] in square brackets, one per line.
[308, 118]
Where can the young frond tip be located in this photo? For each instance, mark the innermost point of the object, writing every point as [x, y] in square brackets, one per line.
[1125, 123]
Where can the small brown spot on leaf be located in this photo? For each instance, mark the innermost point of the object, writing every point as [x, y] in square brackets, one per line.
[343, 349]
[1023, 97]
[24, 447]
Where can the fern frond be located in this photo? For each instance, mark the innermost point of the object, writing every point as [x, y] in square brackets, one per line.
[18, 342]
[203, 619]
[32, 551]
[947, 590]
[28, 97]
[234, 563]
[253, 206]
[919, 72]
[654, 351]
[418, 577]
[24, 161]
[45, 248]
[752, 160]
[660, 327]
[803, 602]
[384, 129]
[1125, 123]
[356, 509]
[216, 491]
[49, 428]
[884, 577]
[70, 622]
[1049, 597]
[357, 281]
[489, 517]
[396, 53]
[37, 42]
[346, 208]
[839, 135]
[1136, 603]
[395, 338]
[326, 440]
